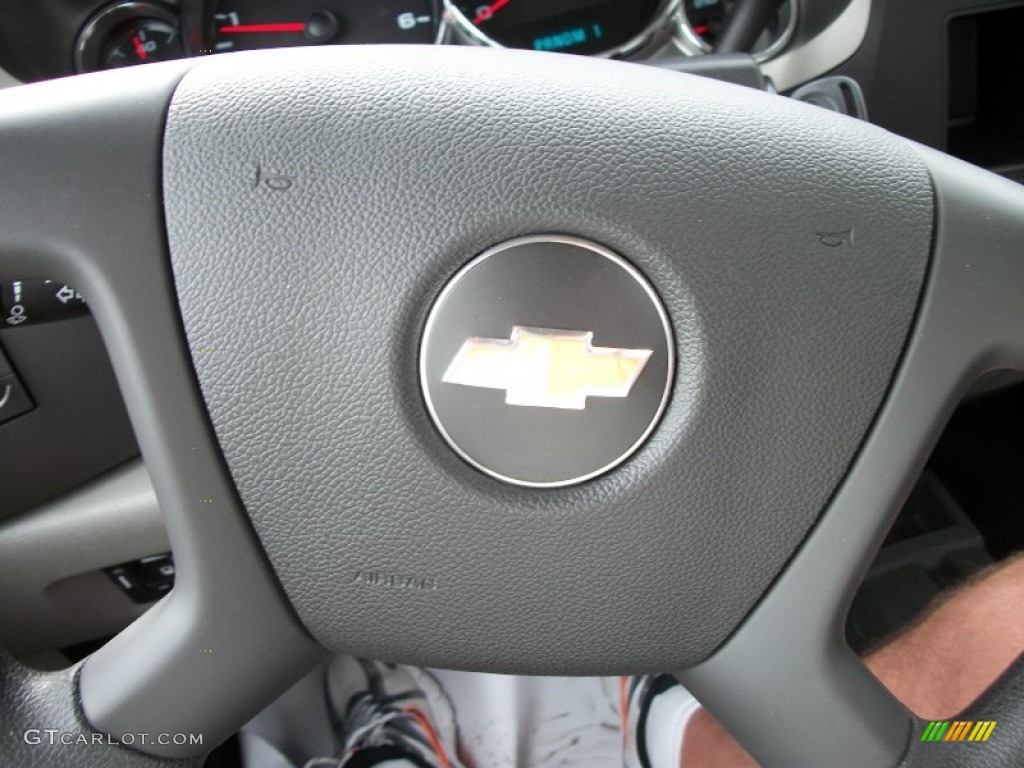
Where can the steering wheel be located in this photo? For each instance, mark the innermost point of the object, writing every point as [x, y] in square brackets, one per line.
[268, 243]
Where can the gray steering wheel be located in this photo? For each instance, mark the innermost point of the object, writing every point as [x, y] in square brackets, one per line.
[262, 239]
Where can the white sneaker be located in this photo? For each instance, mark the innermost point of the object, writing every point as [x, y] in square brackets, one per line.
[388, 715]
[655, 710]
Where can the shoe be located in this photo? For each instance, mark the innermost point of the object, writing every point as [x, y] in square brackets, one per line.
[654, 710]
[388, 712]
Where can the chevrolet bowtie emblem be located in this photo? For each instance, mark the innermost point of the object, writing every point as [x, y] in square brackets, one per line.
[547, 368]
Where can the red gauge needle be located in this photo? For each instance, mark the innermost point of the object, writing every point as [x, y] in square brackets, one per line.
[490, 10]
[238, 29]
[139, 50]
[701, 29]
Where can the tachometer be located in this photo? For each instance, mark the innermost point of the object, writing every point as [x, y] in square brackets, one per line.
[598, 27]
[702, 21]
[237, 25]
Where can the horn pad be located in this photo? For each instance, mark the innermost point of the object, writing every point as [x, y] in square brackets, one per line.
[319, 201]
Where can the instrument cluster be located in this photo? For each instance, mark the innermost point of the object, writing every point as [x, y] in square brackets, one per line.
[131, 32]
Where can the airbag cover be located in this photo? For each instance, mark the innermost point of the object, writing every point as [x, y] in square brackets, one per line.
[318, 201]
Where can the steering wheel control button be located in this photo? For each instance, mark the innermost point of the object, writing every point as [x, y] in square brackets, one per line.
[547, 361]
[14, 398]
[144, 580]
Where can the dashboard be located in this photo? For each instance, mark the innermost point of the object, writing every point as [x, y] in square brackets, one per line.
[940, 72]
[51, 40]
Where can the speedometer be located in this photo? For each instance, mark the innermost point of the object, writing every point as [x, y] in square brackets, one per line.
[598, 27]
[238, 25]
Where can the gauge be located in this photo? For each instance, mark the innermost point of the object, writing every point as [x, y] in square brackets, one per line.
[702, 22]
[142, 42]
[599, 27]
[123, 34]
[240, 25]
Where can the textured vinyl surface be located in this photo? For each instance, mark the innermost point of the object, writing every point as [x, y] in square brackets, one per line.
[31, 701]
[788, 245]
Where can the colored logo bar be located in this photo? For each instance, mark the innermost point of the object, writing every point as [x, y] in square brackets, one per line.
[958, 730]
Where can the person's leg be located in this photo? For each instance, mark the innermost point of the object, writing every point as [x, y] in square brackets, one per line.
[980, 620]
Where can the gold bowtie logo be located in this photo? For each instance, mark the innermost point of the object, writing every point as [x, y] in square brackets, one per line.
[547, 368]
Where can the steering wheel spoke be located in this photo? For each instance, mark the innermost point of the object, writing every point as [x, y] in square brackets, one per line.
[792, 647]
[81, 203]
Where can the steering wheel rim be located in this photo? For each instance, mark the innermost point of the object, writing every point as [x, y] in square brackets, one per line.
[125, 116]
[954, 343]
[169, 670]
